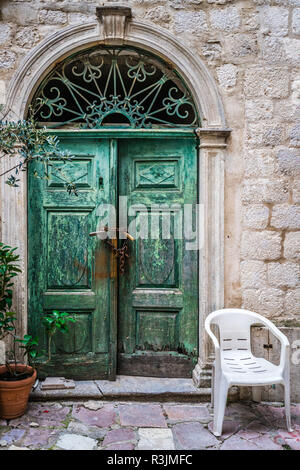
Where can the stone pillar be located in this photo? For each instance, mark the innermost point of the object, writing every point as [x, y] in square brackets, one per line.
[14, 233]
[211, 257]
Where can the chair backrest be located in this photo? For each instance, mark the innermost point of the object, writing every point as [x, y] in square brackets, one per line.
[234, 327]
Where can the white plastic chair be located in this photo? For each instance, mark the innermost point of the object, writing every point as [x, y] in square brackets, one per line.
[235, 363]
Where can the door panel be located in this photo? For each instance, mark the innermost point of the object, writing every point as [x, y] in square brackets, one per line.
[68, 270]
[158, 293]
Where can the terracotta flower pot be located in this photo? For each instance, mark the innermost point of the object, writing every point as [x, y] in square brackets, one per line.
[14, 394]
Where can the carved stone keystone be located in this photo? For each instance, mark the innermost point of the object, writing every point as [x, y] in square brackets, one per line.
[113, 16]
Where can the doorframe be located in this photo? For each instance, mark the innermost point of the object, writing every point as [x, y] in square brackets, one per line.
[212, 150]
[115, 135]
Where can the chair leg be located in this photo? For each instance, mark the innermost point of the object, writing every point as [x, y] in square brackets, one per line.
[212, 401]
[221, 388]
[287, 403]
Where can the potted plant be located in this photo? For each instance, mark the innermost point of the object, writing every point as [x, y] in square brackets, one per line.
[17, 379]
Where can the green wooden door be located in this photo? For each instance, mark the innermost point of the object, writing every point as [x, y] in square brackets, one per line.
[156, 299]
[68, 270]
[158, 294]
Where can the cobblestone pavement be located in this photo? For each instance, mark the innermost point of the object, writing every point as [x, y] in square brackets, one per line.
[98, 425]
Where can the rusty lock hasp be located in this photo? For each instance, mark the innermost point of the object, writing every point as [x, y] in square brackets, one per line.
[106, 229]
[122, 252]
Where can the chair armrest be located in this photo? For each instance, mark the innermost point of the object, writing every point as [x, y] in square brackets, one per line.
[214, 340]
[285, 345]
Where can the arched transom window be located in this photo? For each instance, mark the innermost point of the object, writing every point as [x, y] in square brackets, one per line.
[114, 86]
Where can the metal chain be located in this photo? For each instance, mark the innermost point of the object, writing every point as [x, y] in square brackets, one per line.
[121, 253]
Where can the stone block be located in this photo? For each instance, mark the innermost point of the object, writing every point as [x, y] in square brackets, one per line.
[27, 37]
[5, 33]
[285, 274]
[13, 436]
[121, 446]
[36, 438]
[187, 413]
[57, 383]
[142, 415]
[158, 15]
[272, 82]
[262, 190]
[103, 418]
[287, 109]
[258, 109]
[292, 245]
[53, 17]
[285, 216]
[261, 443]
[240, 46]
[19, 13]
[292, 50]
[85, 389]
[253, 274]
[296, 21]
[295, 136]
[78, 18]
[193, 436]
[272, 136]
[119, 435]
[259, 163]
[250, 20]
[155, 439]
[268, 301]
[76, 442]
[288, 162]
[296, 191]
[126, 386]
[274, 20]
[93, 405]
[94, 432]
[227, 19]
[261, 245]
[7, 59]
[189, 22]
[295, 91]
[267, 135]
[255, 216]
[292, 303]
[273, 50]
[227, 76]
[211, 50]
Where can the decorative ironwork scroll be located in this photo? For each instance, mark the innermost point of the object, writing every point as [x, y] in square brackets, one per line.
[114, 86]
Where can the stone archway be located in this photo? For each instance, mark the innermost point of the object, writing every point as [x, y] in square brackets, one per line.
[115, 27]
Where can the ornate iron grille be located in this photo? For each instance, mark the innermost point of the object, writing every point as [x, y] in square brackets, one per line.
[114, 86]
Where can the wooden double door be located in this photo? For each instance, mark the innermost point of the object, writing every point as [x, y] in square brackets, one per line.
[144, 321]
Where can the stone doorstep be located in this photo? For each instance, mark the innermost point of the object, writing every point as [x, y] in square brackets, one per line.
[57, 383]
[127, 388]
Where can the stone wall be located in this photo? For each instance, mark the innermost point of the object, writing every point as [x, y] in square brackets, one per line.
[252, 49]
